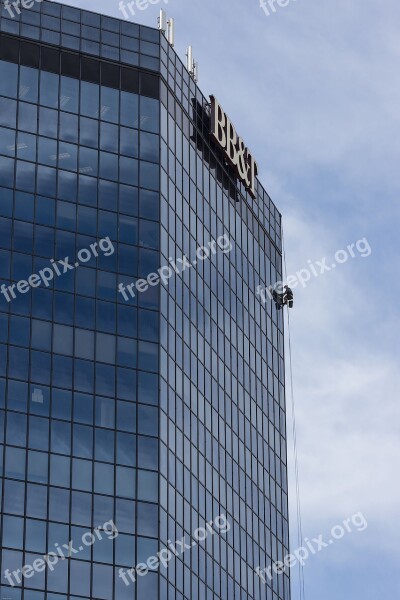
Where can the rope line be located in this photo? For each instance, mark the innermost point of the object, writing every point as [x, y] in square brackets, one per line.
[294, 432]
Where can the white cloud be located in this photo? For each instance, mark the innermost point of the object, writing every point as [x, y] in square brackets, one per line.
[346, 393]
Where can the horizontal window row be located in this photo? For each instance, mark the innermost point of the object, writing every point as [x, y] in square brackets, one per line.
[97, 444]
[86, 46]
[73, 127]
[41, 240]
[91, 345]
[39, 501]
[92, 101]
[80, 407]
[30, 535]
[68, 13]
[80, 474]
[66, 372]
[71, 64]
[42, 178]
[102, 287]
[87, 32]
[87, 191]
[84, 313]
[105, 317]
[47, 151]
[109, 414]
[79, 578]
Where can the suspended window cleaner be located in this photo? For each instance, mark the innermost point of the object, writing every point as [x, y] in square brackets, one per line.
[284, 298]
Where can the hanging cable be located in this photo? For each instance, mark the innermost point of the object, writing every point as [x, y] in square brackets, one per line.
[294, 430]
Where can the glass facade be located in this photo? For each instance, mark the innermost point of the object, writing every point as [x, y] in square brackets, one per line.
[160, 410]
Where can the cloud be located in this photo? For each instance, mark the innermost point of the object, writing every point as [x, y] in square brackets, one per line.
[346, 392]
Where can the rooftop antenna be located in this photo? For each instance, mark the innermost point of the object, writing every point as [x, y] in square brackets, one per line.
[167, 27]
[171, 32]
[191, 65]
[162, 21]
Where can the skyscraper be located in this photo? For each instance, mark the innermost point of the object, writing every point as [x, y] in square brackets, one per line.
[141, 378]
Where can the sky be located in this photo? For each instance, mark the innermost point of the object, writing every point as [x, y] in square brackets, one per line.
[314, 90]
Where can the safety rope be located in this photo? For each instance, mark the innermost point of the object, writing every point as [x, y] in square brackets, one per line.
[294, 430]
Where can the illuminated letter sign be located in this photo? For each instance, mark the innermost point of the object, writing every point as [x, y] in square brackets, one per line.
[236, 152]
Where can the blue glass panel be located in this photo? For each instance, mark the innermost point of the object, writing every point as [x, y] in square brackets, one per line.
[59, 504]
[126, 416]
[128, 171]
[90, 97]
[36, 501]
[69, 127]
[82, 441]
[48, 121]
[28, 84]
[38, 433]
[126, 388]
[69, 94]
[7, 141]
[88, 161]
[84, 376]
[6, 202]
[37, 466]
[13, 532]
[25, 176]
[126, 449]
[35, 536]
[14, 497]
[147, 519]
[40, 367]
[19, 330]
[105, 412]
[45, 210]
[109, 105]
[108, 166]
[129, 109]
[49, 86]
[62, 371]
[103, 478]
[87, 190]
[147, 420]
[16, 429]
[24, 206]
[147, 453]
[147, 486]
[8, 112]
[149, 114]
[67, 182]
[8, 80]
[149, 175]
[7, 172]
[129, 142]
[46, 181]
[64, 308]
[84, 312]
[60, 470]
[108, 195]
